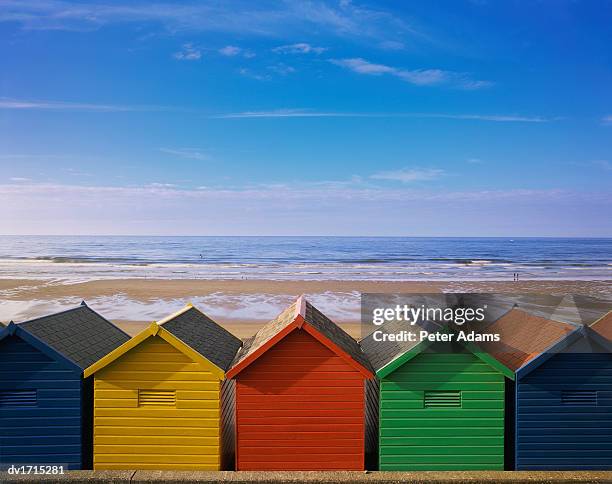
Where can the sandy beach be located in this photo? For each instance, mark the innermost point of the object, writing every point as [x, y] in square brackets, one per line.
[242, 306]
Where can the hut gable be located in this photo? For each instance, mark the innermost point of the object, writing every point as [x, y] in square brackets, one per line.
[302, 315]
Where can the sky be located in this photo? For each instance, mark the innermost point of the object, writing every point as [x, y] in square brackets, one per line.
[432, 118]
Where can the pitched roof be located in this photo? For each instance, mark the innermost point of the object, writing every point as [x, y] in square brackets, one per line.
[523, 337]
[603, 326]
[80, 334]
[382, 352]
[204, 335]
[298, 314]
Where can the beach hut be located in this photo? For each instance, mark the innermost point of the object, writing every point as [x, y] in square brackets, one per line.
[300, 395]
[157, 398]
[563, 391]
[45, 404]
[441, 404]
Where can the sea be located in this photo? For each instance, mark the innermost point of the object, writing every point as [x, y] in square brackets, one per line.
[86, 258]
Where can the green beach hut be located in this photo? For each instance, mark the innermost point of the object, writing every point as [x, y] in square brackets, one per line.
[441, 404]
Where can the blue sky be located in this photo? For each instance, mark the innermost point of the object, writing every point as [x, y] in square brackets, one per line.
[305, 118]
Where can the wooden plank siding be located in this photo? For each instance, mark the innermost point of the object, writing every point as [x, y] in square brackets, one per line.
[553, 434]
[184, 435]
[48, 429]
[300, 406]
[468, 437]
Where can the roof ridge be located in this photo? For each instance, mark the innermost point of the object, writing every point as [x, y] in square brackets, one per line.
[601, 318]
[175, 314]
[80, 306]
[300, 306]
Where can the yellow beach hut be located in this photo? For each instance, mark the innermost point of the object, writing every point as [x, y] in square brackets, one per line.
[157, 398]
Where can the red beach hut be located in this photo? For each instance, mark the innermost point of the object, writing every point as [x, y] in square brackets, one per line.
[300, 395]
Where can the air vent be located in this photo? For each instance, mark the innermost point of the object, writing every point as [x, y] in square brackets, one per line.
[18, 398]
[156, 398]
[579, 397]
[448, 399]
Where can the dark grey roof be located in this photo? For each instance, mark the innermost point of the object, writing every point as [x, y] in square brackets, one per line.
[336, 334]
[317, 320]
[381, 353]
[80, 334]
[205, 336]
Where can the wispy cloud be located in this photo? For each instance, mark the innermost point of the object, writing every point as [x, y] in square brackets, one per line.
[243, 71]
[188, 153]
[607, 120]
[230, 50]
[281, 69]
[299, 48]
[498, 118]
[244, 18]
[419, 77]
[475, 161]
[18, 104]
[409, 175]
[19, 179]
[284, 113]
[326, 208]
[188, 52]
[310, 113]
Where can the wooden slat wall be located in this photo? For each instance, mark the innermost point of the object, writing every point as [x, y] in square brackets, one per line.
[413, 437]
[552, 435]
[185, 436]
[50, 431]
[300, 407]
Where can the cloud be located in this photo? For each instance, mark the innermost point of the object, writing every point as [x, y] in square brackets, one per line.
[309, 113]
[498, 118]
[188, 53]
[391, 45]
[17, 104]
[161, 185]
[419, 77]
[299, 48]
[475, 161]
[289, 17]
[243, 71]
[230, 51]
[188, 153]
[607, 120]
[19, 179]
[409, 175]
[330, 208]
[282, 69]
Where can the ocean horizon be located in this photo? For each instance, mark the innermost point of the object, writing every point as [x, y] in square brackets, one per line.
[317, 258]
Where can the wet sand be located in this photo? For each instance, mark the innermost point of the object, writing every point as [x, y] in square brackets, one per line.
[147, 290]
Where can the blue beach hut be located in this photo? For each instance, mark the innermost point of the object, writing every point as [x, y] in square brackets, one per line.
[563, 396]
[45, 404]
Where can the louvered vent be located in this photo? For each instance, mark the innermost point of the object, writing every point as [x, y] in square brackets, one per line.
[579, 397]
[448, 399]
[156, 398]
[18, 398]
